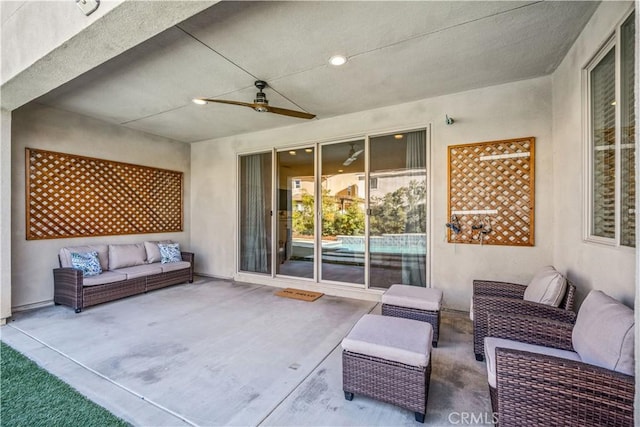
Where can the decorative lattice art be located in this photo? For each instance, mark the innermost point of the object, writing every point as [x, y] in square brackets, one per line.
[491, 193]
[74, 196]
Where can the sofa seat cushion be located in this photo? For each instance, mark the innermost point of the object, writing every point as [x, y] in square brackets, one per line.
[491, 343]
[127, 255]
[104, 278]
[173, 266]
[428, 299]
[397, 339]
[604, 333]
[547, 287]
[140, 270]
[102, 250]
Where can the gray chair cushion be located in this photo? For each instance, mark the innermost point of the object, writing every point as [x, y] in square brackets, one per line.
[604, 333]
[491, 343]
[392, 338]
[547, 287]
[121, 256]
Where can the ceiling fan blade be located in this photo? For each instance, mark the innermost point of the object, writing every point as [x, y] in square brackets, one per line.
[225, 101]
[357, 153]
[348, 161]
[290, 113]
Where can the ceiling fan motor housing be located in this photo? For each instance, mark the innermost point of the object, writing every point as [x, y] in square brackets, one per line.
[261, 98]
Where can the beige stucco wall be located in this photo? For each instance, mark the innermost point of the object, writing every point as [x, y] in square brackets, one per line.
[501, 112]
[589, 265]
[41, 127]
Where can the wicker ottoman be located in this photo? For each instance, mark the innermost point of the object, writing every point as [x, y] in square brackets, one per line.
[414, 302]
[388, 359]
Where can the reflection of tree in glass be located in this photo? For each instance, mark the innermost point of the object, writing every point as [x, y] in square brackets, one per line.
[349, 222]
[401, 211]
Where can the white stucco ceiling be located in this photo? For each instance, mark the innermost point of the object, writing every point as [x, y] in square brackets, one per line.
[398, 52]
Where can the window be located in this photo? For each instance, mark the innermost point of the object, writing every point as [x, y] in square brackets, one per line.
[297, 184]
[611, 118]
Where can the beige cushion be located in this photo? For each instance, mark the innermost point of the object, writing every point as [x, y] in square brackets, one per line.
[121, 256]
[103, 278]
[491, 343]
[547, 287]
[102, 250]
[429, 299]
[139, 270]
[173, 266]
[392, 338]
[153, 251]
[604, 333]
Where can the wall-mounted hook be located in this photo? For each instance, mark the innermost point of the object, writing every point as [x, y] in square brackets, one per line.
[449, 120]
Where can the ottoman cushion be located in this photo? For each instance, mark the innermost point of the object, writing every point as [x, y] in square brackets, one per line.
[392, 338]
[413, 297]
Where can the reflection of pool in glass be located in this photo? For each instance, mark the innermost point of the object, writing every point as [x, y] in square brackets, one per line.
[389, 245]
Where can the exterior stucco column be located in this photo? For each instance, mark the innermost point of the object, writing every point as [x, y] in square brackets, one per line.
[5, 216]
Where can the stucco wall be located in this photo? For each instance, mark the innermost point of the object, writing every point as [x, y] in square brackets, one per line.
[589, 265]
[501, 112]
[40, 127]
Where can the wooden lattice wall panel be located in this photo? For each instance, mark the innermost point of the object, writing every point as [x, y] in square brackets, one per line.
[74, 196]
[491, 192]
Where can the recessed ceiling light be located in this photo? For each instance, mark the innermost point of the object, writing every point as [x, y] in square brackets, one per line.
[292, 152]
[340, 170]
[199, 101]
[338, 60]
[309, 150]
[398, 136]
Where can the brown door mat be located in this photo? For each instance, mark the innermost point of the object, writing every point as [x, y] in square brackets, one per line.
[299, 294]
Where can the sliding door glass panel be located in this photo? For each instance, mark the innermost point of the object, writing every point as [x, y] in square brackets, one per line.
[397, 199]
[255, 213]
[296, 213]
[342, 212]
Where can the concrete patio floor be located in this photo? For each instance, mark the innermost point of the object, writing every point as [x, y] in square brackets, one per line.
[222, 353]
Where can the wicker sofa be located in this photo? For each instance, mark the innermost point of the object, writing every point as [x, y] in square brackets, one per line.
[127, 269]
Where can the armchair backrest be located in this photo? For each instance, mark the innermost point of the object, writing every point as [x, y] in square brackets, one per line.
[603, 334]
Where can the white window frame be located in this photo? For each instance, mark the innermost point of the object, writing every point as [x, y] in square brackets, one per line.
[613, 42]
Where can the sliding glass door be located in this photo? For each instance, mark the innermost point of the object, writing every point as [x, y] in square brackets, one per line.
[355, 214]
[397, 202]
[343, 212]
[296, 200]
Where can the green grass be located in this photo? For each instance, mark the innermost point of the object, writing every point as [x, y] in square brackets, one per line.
[30, 396]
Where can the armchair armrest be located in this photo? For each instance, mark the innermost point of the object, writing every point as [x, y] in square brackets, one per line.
[483, 305]
[498, 289]
[67, 287]
[536, 389]
[531, 330]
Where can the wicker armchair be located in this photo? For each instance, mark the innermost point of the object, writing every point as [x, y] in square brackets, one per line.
[533, 388]
[504, 297]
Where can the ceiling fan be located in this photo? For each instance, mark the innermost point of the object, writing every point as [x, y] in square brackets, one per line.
[353, 155]
[260, 104]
